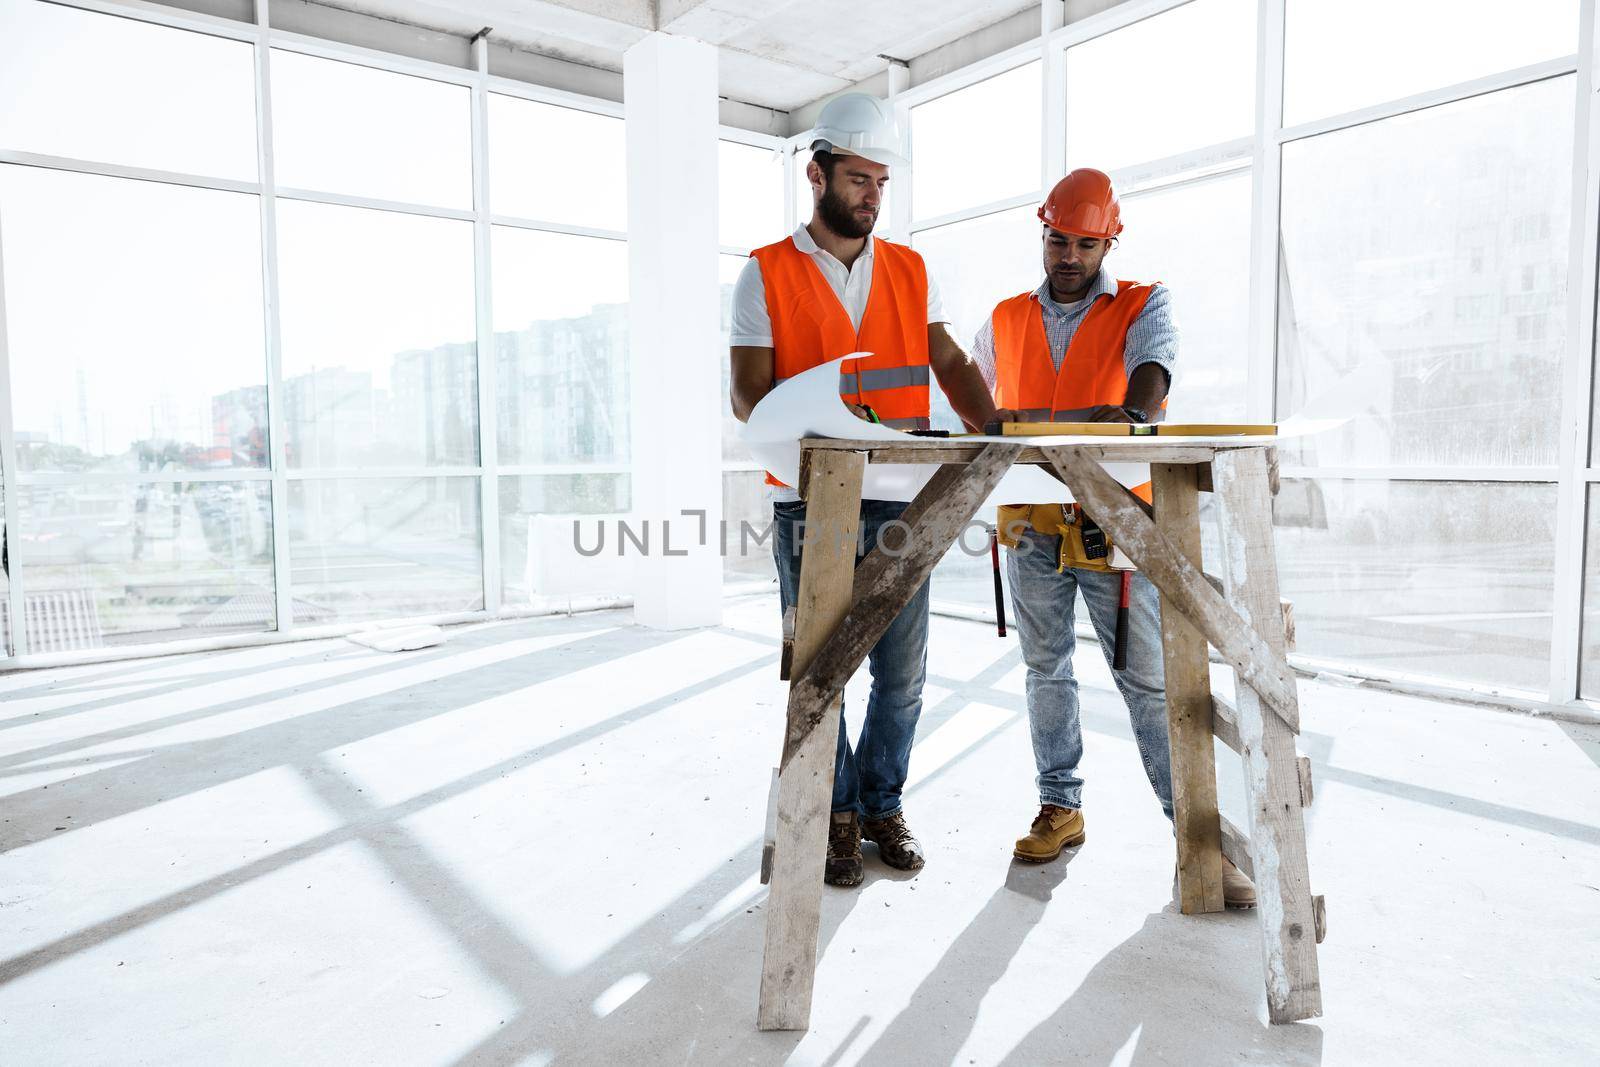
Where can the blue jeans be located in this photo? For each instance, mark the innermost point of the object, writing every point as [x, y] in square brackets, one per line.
[1043, 602]
[868, 781]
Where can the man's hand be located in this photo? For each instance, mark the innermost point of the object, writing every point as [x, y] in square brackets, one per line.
[1109, 413]
[1008, 415]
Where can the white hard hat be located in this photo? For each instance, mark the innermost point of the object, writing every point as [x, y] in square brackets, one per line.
[862, 125]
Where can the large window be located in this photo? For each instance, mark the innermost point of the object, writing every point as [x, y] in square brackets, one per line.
[1589, 682]
[1181, 80]
[1435, 313]
[86, 86]
[133, 317]
[557, 164]
[342, 128]
[379, 351]
[148, 371]
[1419, 578]
[1194, 238]
[1411, 47]
[977, 145]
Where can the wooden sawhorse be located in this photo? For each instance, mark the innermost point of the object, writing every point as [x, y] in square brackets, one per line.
[841, 610]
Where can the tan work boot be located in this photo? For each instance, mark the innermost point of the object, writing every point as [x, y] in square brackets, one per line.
[1054, 829]
[1237, 890]
[843, 866]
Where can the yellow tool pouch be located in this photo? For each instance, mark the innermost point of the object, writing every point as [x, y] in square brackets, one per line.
[1052, 520]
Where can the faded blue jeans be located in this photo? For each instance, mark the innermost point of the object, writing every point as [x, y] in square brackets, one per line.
[1043, 602]
[868, 780]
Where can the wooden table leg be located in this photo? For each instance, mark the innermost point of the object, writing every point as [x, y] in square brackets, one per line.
[1189, 722]
[1266, 745]
[805, 775]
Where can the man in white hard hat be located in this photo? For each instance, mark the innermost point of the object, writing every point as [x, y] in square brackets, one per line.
[827, 290]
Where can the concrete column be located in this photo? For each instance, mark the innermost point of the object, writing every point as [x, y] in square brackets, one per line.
[675, 333]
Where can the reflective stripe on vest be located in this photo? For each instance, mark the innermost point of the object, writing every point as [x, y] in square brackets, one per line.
[810, 327]
[1092, 371]
[875, 380]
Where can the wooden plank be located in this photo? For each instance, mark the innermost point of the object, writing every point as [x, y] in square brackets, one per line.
[1259, 664]
[1133, 429]
[1303, 765]
[1286, 609]
[886, 582]
[1225, 722]
[805, 779]
[1236, 846]
[1188, 680]
[786, 652]
[1266, 746]
[769, 838]
[960, 450]
[1319, 913]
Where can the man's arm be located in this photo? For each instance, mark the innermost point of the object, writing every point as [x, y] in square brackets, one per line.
[1148, 357]
[959, 377]
[751, 378]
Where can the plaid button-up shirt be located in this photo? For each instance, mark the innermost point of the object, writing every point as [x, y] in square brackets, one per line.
[1153, 337]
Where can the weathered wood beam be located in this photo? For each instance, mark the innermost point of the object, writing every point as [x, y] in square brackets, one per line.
[1236, 846]
[805, 778]
[886, 581]
[1188, 681]
[1225, 721]
[1266, 745]
[1258, 664]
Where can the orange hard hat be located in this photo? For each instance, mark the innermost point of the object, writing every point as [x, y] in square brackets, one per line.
[1084, 205]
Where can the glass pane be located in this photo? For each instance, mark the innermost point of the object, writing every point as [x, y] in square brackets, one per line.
[747, 519]
[1189, 75]
[977, 264]
[111, 564]
[373, 548]
[6, 645]
[90, 86]
[977, 145]
[343, 128]
[1410, 47]
[1424, 282]
[1417, 577]
[550, 530]
[750, 195]
[964, 578]
[1196, 239]
[1589, 672]
[557, 164]
[134, 321]
[561, 347]
[379, 359]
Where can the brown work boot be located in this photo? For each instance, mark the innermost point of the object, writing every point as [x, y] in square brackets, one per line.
[1054, 829]
[895, 844]
[844, 850]
[1237, 890]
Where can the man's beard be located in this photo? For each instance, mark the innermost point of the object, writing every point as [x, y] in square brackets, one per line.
[838, 217]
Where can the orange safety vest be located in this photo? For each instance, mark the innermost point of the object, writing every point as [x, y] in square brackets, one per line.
[810, 327]
[1092, 372]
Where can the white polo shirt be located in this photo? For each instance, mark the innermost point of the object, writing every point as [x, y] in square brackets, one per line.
[752, 325]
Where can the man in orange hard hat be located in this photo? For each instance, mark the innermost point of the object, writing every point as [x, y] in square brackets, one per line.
[829, 289]
[1083, 347]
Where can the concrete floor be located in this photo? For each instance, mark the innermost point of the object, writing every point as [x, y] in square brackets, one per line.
[537, 844]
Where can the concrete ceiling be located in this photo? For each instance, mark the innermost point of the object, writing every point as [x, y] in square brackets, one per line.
[780, 54]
